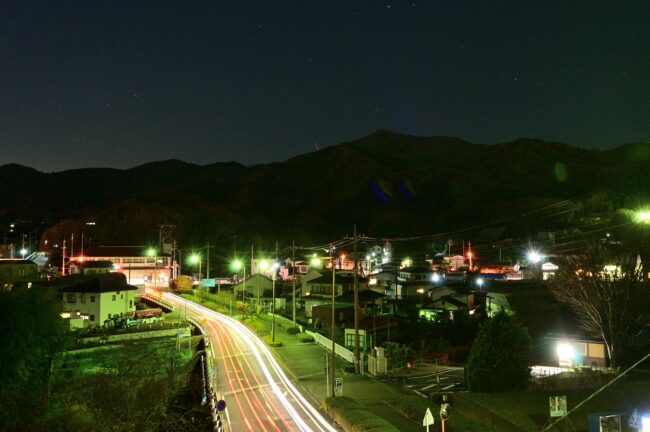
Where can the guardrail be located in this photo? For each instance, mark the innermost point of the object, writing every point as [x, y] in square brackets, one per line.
[339, 350]
[157, 301]
[208, 370]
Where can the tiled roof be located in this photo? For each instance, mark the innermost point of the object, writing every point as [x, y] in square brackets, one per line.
[109, 282]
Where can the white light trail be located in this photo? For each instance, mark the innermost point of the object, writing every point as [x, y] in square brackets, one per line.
[263, 356]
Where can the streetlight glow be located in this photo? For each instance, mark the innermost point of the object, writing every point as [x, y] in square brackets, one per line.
[564, 351]
[643, 216]
[534, 256]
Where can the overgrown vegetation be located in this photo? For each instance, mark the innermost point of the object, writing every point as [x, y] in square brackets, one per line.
[606, 289]
[31, 333]
[134, 387]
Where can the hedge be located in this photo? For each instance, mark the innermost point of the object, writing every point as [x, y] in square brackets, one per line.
[355, 417]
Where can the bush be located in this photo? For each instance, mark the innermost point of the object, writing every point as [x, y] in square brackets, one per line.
[305, 338]
[293, 330]
[355, 417]
[271, 343]
[413, 407]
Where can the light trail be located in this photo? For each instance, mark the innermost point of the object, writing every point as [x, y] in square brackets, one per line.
[245, 351]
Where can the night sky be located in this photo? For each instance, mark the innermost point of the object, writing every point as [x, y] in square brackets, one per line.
[118, 84]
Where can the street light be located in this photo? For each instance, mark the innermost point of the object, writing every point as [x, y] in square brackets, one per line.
[643, 216]
[534, 256]
[263, 264]
[316, 261]
[196, 259]
[23, 252]
[479, 282]
[276, 266]
[236, 265]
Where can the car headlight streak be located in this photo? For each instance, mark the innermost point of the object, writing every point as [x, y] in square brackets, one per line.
[265, 360]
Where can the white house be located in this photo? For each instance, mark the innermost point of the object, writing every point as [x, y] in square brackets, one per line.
[99, 299]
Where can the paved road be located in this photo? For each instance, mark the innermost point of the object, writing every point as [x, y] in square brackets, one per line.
[258, 394]
[446, 379]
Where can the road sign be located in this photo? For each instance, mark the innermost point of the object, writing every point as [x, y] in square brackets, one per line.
[635, 420]
[338, 386]
[428, 419]
[221, 405]
[208, 283]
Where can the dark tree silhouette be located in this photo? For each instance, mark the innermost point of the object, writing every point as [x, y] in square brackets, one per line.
[500, 358]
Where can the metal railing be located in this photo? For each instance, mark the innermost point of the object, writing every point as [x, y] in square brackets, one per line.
[339, 350]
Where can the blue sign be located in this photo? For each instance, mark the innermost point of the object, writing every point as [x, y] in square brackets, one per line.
[221, 405]
[208, 283]
[635, 420]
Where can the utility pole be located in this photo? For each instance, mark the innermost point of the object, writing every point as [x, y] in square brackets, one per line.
[356, 305]
[82, 244]
[293, 280]
[207, 264]
[275, 261]
[71, 246]
[63, 248]
[333, 362]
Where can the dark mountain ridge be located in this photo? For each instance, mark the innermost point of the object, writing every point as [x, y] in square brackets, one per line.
[386, 183]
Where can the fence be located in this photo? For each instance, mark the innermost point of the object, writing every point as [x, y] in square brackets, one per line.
[339, 350]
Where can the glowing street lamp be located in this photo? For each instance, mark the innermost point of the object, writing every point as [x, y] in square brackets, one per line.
[565, 353]
[534, 256]
[237, 265]
[196, 259]
[643, 216]
[23, 252]
[316, 261]
[479, 283]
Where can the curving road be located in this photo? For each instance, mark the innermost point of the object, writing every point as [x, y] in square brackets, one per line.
[259, 395]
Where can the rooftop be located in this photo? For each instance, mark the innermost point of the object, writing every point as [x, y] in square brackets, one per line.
[109, 282]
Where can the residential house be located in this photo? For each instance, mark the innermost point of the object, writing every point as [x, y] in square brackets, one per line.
[254, 287]
[99, 299]
[383, 283]
[91, 267]
[17, 272]
[373, 332]
[413, 282]
[318, 290]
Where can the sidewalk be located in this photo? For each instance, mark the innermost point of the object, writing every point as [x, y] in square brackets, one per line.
[305, 364]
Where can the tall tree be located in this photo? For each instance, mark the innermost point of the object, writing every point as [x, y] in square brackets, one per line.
[500, 358]
[605, 288]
